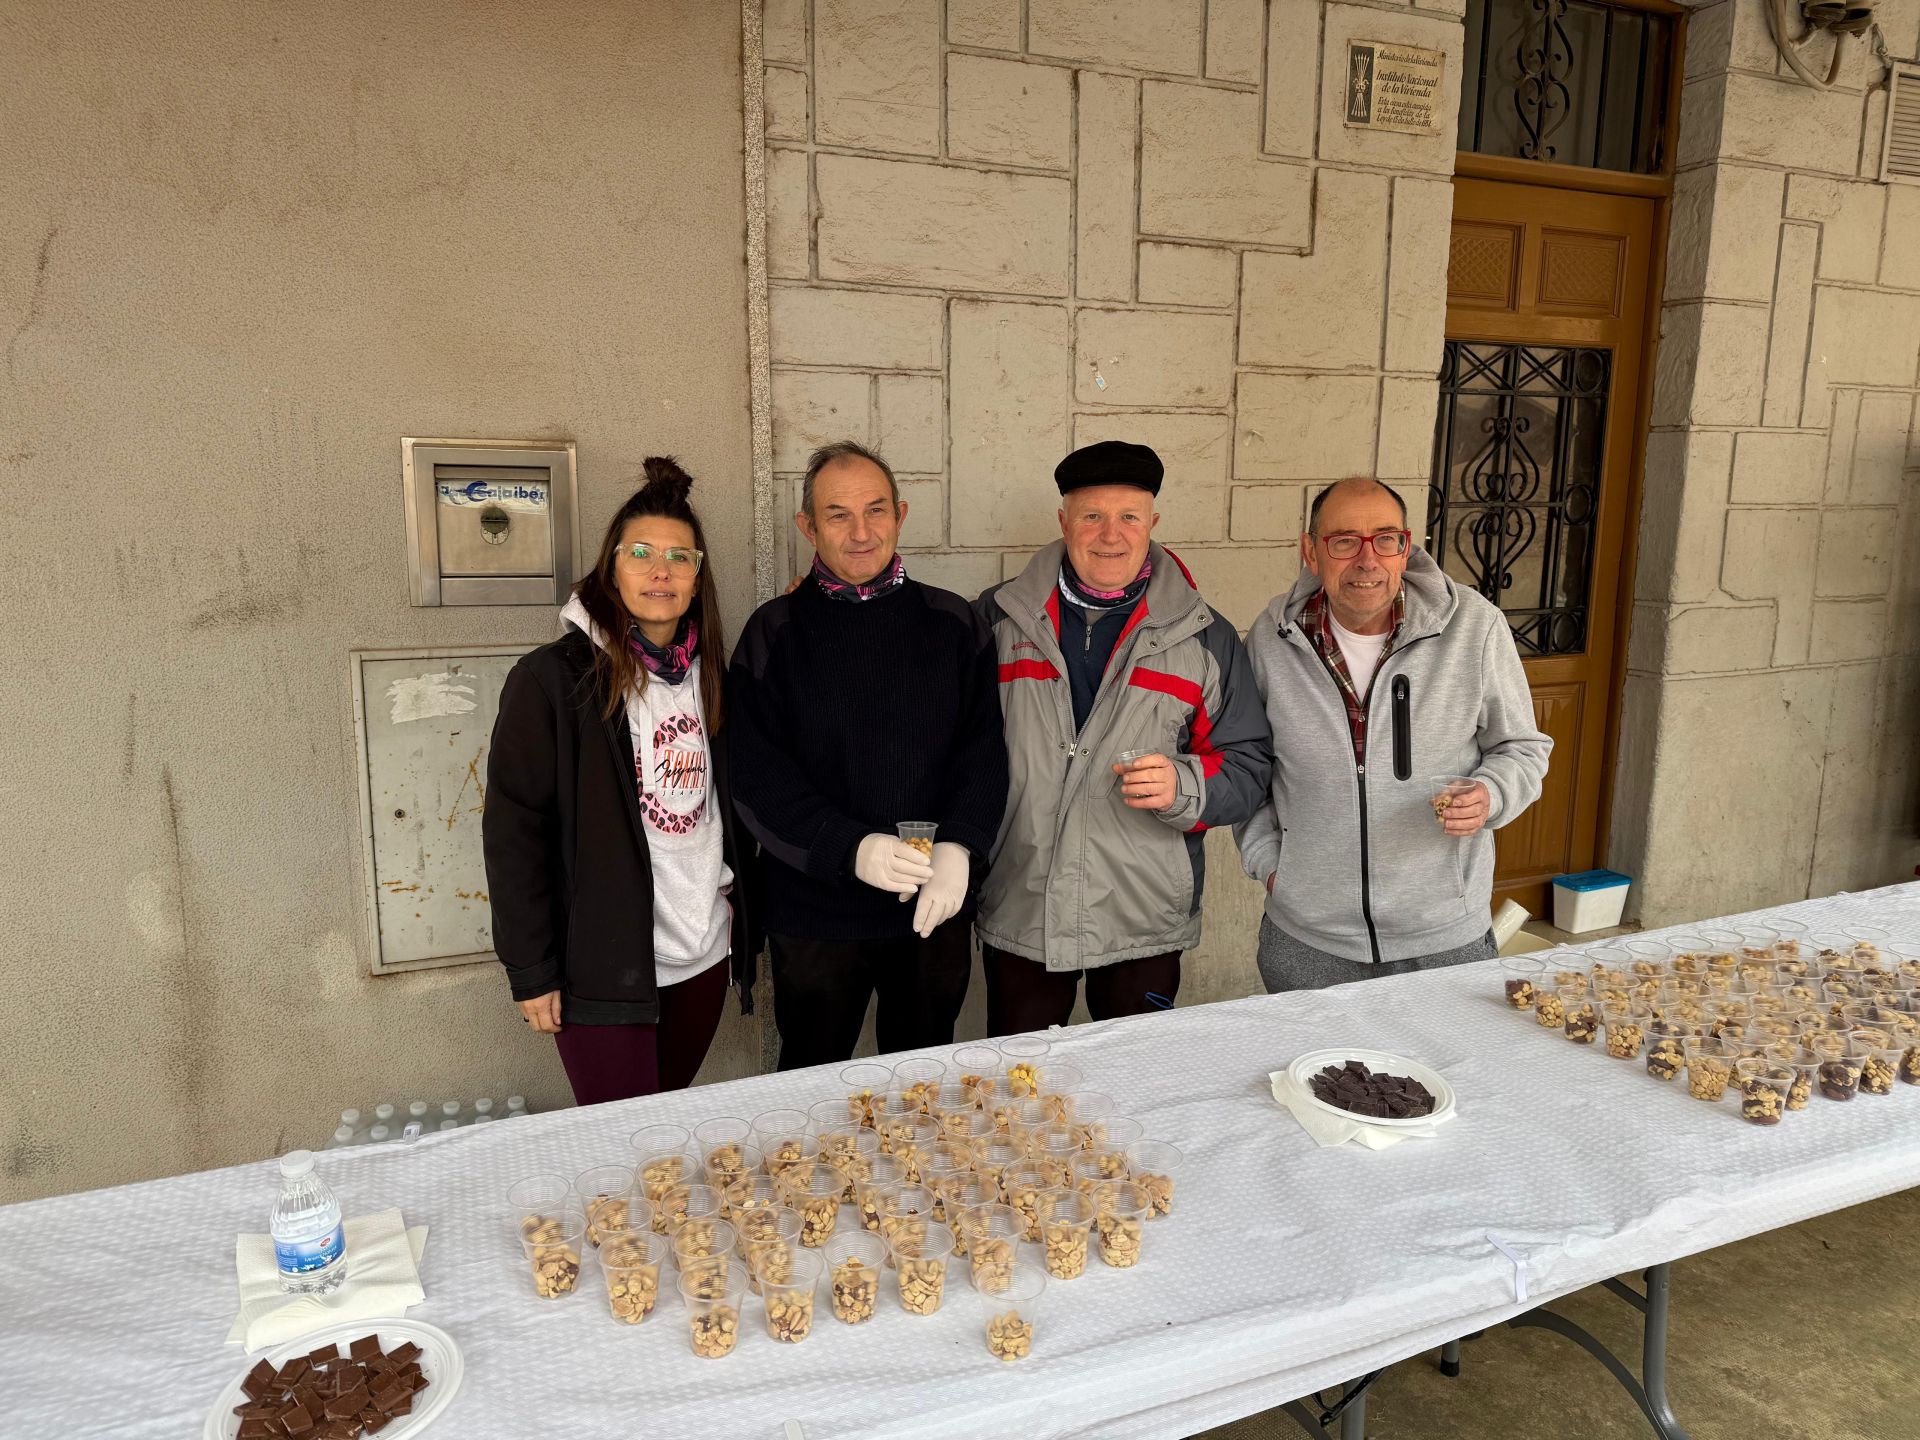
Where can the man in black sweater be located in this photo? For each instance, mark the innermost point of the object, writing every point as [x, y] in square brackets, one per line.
[859, 700]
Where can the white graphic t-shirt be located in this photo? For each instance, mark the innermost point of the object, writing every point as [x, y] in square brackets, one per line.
[672, 772]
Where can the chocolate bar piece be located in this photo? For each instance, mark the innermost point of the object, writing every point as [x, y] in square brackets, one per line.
[291, 1372]
[295, 1420]
[391, 1394]
[258, 1429]
[351, 1403]
[365, 1348]
[259, 1381]
[404, 1353]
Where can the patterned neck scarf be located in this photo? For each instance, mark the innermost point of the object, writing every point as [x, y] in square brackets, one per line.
[671, 661]
[891, 578]
[1076, 591]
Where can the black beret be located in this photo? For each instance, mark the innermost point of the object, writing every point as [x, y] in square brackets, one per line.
[1111, 462]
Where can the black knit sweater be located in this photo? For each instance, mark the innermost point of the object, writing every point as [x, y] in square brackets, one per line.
[845, 718]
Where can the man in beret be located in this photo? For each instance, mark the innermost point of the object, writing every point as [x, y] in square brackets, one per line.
[1106, 649]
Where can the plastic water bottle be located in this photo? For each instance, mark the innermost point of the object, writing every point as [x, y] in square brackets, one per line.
[383, 1115]
[516, 1106]
[309, 1244]
[450, 1110]
[482, 1109]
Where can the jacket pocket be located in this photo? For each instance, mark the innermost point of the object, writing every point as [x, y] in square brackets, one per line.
[1137, 883]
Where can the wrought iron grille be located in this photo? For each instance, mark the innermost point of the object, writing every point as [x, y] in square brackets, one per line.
[1570, 81]
[1517, 460]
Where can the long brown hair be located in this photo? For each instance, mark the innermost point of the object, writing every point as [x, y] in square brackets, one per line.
[617, 671]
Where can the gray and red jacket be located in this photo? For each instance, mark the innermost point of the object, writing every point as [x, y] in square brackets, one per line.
[1078, 879]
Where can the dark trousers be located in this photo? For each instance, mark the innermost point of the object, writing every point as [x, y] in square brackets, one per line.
[821, 989]
[1023, 994]
[618, 1062]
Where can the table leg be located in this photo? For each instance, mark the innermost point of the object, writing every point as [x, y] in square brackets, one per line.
[1450, 1359]
[1353, 1419]
[1350, 1411]
[1650, 1396]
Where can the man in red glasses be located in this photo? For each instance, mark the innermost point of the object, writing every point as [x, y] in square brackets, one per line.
[1383, 680]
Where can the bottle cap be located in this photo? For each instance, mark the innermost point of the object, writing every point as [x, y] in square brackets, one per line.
[450, 1107]
[449, 1124]
[483, 1106]
[417, 1108]
[383, 1112]
[516, 1102]
[343, 1136]
[296, 1163]
[379, 1133]
[350, 1119]
[483, 1119]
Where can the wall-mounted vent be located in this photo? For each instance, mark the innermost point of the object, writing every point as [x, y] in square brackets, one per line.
[1900, 155]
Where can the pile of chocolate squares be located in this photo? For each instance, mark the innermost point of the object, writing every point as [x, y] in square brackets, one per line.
[1354, 1088]
[329, 1396]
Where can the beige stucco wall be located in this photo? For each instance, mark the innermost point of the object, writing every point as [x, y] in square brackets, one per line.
[1059, 221]
[244, 248]
[1770, 743]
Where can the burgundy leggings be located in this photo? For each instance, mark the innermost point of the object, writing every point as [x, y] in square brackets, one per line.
[618, 1062]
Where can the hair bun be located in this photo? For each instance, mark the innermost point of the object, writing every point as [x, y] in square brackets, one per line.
[666, 480]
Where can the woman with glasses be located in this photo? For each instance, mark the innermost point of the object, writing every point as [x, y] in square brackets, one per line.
[610, 843]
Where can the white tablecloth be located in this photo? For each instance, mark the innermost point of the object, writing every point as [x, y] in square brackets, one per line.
[1287, 1268]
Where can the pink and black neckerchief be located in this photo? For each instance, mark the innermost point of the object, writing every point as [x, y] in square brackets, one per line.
[671, 661]
[891, 578]
[1078, 592]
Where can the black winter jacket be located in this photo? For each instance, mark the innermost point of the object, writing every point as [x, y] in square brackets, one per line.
[569, 874]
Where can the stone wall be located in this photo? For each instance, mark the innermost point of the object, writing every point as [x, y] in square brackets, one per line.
[1060, 221]
[1769, 744]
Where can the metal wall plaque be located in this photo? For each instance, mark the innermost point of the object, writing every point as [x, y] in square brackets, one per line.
[1394, 87]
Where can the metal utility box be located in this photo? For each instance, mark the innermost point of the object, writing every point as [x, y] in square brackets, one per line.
[489, 522]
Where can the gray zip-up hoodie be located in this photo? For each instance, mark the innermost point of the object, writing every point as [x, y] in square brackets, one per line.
[1079, 879]
[1361, 866]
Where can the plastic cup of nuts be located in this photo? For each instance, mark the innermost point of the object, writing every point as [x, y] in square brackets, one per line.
[919, 1079]
[1763, 1085]
[853, 1261]
[1549, 1010]
[919, 834]
[731, 1175]
[1521, 978]
[1025, 1056]
[1709, 1070]
[920, 1256]
[874, 1195]
[722, 1141]
[699, 1240]
[1058, 1083]
[1877, 1053]
[1023, 1185]
[606, 1194]
[866, 1085]
[1448, 790]
[1066, 1222]
[850, 1149]
[631, 1261]
[1011, 1313]
[714, 1295]
[552, 1227]
[1154, 1165]
[766, 1239]
[661, 1160]
[1119, 1214]
[1582, 1024]
[908, 1208]
[1093, 1167]
[962, 1197]
[789, 1300]
[1626, 1030]
[975, 1066]
[1838, 1075]
[813, 1193]
[1053, 1148]
[684, 1203]
[991, 1234]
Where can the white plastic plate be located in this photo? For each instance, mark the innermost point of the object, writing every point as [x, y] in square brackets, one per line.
[439, 1361]
[1378, 1061]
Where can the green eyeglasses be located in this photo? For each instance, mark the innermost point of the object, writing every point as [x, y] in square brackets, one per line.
[680, 560]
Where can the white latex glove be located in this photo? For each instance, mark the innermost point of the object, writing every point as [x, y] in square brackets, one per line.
[888, 863]
[941, 897]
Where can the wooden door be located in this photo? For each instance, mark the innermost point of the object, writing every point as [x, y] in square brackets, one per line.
[1536, 442]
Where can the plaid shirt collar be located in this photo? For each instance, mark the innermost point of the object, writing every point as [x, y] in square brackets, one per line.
[1316, 619]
